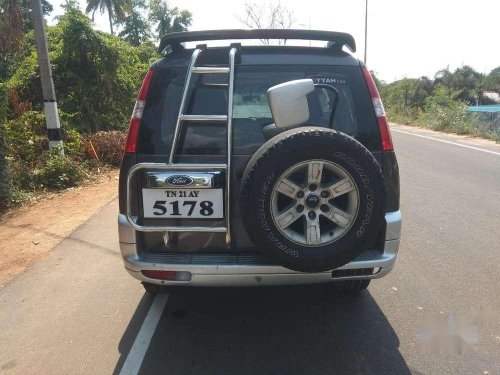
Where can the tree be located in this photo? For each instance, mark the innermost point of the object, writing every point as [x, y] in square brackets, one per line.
[168, 19]
[95, 74]
[492, 80]
[15, 23]
[136, 28]
[466, 80]
[115, 8]
[267, 16]
[5, 180]
[11, 26]
[27, 19]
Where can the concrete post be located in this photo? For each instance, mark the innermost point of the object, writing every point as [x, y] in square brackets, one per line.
[49, 94]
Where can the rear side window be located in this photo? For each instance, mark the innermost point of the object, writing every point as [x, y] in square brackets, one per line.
[161, 111]
[354, 114]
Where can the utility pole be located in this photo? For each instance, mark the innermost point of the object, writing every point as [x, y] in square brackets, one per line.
[49, 94]
[366, 28]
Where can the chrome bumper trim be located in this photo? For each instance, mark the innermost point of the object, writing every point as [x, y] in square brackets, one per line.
[382, 260]
[248, 275]
[244, 280]
[393, 230]
[257, 274]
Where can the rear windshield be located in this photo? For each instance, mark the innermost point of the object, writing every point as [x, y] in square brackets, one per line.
[251, 113]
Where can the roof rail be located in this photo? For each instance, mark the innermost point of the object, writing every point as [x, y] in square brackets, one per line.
[334, 39]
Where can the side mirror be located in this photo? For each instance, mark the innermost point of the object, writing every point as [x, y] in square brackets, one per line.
[288, 102]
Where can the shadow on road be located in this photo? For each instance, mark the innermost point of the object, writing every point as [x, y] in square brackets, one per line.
[285, 330]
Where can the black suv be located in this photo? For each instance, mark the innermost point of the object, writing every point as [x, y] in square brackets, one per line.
[258, 165]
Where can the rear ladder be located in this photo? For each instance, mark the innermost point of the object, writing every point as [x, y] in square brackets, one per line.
[171, 165]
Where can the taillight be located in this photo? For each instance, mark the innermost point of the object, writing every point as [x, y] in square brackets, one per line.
[161, 275]
[135, 120]
[383, 125]
[167, 275]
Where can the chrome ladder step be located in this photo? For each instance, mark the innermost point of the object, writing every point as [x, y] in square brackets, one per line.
[205, 118]
[228, 119]
[211, 70]
[179, 229]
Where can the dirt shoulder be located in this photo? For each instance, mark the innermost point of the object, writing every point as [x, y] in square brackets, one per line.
[30, 232]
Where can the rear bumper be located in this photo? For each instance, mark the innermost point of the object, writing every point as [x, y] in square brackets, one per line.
[234, 270]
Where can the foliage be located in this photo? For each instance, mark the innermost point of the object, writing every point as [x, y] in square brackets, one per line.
[27, 143]
[441, 103]
[5, 180]
[115, 8]
[168, 19]
[96, 75]
[47, 8]
[4, 103]
[106, 147]
[15, 22]
[465, 80]
[11, 30]
[407, 92]
[136, 29]
[27, 138]
[492, 80]
[443, 112]
[59, 172]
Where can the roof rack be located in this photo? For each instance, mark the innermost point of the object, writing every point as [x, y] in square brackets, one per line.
[335, 39]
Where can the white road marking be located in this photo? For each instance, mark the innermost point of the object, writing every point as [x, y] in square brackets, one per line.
[136, 354]
[444, 141]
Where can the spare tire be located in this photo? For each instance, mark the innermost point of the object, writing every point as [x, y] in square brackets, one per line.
[312, 198]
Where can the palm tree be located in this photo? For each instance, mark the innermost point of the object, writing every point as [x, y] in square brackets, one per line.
[136, 28]
[115, 8]
[168, 19]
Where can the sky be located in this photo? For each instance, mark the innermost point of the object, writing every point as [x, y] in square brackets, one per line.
[405, 38]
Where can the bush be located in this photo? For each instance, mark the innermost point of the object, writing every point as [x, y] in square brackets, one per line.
[443, 112]
[4, 103]
[59, 172]
[106, 147]
[27, 136]
[5, 181]
[408, 116]
[96, 75]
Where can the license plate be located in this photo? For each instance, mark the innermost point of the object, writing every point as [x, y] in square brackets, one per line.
[183, 203]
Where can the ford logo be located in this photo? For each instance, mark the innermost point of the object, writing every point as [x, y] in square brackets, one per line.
[179, 180]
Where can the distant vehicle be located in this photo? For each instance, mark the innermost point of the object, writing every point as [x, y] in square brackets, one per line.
[258, 165]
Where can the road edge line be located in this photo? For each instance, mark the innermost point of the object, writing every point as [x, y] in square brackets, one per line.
[448, 142]
[135, 356]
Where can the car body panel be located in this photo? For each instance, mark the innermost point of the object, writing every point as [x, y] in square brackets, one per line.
[151, 251]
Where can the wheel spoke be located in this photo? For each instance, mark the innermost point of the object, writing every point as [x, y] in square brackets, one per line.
[339, 217]
[286, 218]
[311, 215]
[314, 172]
[313, 232]
[341, 187]
[287, 187]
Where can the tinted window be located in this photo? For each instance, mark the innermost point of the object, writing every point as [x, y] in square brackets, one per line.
[354, 114]
[161, 111]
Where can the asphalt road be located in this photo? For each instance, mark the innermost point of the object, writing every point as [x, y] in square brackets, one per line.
[79, 312]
